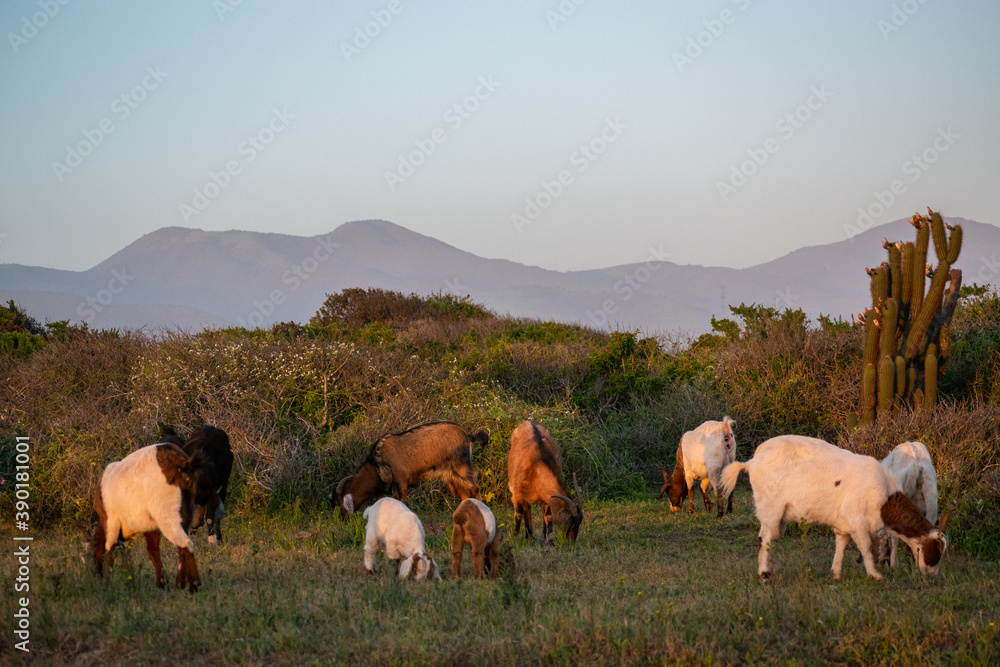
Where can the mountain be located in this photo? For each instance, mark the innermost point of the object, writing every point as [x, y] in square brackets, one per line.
[189, 279]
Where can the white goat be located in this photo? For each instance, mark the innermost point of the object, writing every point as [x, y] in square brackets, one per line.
[911, 463]
[702, 454]
[397, 530]
[795, 478]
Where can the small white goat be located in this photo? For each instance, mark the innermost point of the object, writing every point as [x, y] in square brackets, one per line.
[397, 530]
[702, 454]
[795, 478]
[911, 463]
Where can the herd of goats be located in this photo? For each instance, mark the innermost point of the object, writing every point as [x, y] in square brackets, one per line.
[174, 486]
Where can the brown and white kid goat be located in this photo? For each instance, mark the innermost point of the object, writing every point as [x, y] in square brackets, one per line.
[475, 525]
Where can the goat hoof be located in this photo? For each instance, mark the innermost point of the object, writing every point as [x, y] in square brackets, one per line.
[765, 576]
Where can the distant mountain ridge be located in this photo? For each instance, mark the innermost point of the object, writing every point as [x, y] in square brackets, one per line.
[190, 279]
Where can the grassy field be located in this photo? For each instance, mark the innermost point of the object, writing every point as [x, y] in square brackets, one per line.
[641, 586]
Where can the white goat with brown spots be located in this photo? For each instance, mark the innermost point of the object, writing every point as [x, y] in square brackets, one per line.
[911, 464]
[795, 478]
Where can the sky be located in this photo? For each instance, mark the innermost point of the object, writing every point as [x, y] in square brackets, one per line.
[572, 134]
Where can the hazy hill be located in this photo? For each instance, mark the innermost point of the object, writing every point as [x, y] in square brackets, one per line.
[188, 278]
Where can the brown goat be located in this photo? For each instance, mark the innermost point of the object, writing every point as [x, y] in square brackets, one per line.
[476, 526]
[437, 450]
[534, 469]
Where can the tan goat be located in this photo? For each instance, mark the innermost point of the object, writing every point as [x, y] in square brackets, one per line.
[476, 526]
[534, 469]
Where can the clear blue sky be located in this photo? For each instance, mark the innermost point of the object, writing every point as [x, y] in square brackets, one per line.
[205, 88]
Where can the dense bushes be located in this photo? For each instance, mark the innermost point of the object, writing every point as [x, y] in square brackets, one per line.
[302, 403]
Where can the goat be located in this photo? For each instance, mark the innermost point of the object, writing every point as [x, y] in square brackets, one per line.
[701, 454]
[534, 469]
[153, 490]
[436, 450]
[213, 444]
[397, 530]
[795, 478]
[475, 525]
[911, 463]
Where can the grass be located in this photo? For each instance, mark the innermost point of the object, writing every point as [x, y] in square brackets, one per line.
[641, 586]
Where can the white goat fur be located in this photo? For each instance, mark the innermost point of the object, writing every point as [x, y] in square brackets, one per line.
[911, 463]
[795, 478]
[488, 518]
[706, 453]
[138, 499]
[392, 526]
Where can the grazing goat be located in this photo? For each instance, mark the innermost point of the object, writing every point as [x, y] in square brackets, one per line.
[476, 526]
[911, 463]
[397, 530]
[701, 454]
[436, 450]
[795, 478]
[152, 490]
[534, 469]
[213, 444]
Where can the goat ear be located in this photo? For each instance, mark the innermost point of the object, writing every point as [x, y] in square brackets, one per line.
[348, 503]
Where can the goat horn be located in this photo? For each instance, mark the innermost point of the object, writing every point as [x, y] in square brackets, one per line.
[340, 486]
[576, 509]
[944, 520]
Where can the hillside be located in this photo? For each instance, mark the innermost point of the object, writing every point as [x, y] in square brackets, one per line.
[189, 278]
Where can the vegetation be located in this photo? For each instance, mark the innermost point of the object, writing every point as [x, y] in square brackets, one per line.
[303, 403]
[907, 339]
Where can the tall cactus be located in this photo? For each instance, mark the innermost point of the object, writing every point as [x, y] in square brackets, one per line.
[906, 333]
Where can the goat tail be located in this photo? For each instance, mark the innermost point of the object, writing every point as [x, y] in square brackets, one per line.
[729, 476]
[480, 438]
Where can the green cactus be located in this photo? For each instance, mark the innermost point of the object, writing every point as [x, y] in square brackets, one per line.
[886, 382]
[932, 302]
[919, 263]
[955, 244]
[940, 237]
[895, 271]
[868, 395]
[930, 377]
[900, 378]
[887, 328]
[871, 340]
[907, 288]
[906, 333]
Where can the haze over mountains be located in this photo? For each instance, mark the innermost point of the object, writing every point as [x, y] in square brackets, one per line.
[190, 279]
